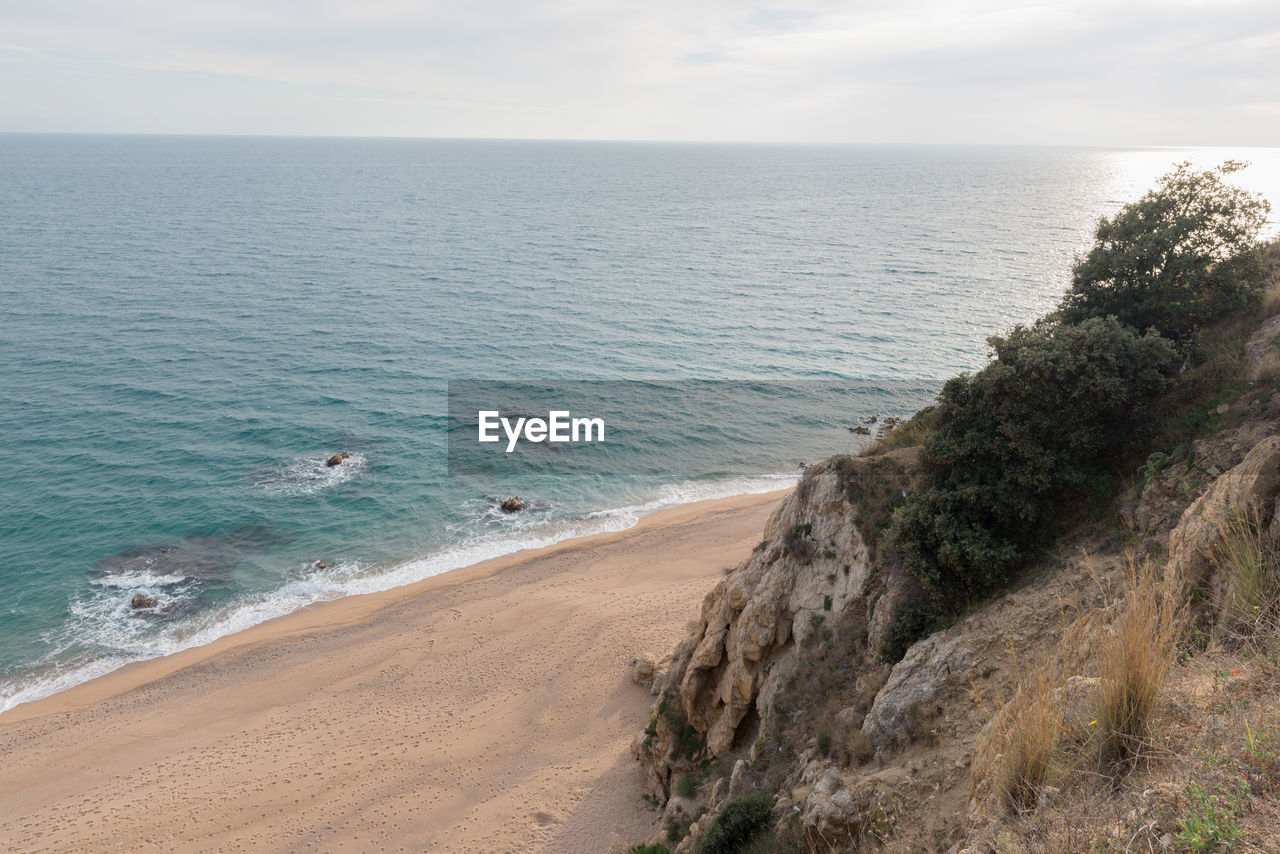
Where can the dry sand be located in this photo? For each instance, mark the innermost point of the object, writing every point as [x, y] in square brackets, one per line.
[487, 710]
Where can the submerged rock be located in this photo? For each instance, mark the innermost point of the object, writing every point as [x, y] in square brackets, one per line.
[197, 558]
[336, 459]
[514, 504]
[140, 601]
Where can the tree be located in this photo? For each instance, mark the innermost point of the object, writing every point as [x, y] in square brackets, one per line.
[1182, 256]
[1055, 409]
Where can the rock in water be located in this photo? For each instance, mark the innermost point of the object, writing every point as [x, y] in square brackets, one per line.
[140, 601]
[514, 504]
[337, 459]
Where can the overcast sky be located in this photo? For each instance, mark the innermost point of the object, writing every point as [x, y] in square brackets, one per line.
[1125, 72]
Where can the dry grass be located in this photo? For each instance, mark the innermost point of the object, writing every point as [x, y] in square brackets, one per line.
[1027, 733]
[1269, 369]
[1271, 301]
[1017, 751]
[1134, 658]
[1206, 728]
[1248, 568]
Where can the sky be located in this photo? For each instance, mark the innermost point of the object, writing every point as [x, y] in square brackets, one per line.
[1124, 72]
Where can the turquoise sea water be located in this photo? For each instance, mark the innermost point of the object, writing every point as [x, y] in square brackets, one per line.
[192, 325]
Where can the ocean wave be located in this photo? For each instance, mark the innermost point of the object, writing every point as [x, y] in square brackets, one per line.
[103, 619]
[144, 581]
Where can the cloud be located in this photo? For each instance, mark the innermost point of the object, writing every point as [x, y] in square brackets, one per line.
[1126, 72]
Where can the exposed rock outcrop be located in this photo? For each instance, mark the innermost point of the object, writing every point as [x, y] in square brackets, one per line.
[916, 682]
[649, 672]
[514, 504]
[336, 459]
[811, 565]
[836, 813]
[141, 601]
[1248, 490]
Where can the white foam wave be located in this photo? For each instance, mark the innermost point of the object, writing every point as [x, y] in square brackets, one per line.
[107, 621]
[140, 580]
[674, 494]
[41, 686]
[309, 474]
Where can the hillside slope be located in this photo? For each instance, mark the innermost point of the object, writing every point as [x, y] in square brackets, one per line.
[782, 696]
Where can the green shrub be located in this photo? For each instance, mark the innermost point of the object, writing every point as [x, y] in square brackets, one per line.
[911, 620]
[655, 848]
[689, 742]
[740, 822]
[907, 434]
[874, 487]
[678, 826]
[1182, 256]
[1056, 408]
[686, 786]
[1212, 820]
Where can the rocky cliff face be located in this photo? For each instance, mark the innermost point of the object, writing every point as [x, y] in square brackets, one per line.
[811, 565]
[1248, 490]
[923, 725]
[904, 755]
[894, 755]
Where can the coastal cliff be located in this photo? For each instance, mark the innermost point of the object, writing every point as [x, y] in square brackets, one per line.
[812, 565]
[781, 689]
[832, 698]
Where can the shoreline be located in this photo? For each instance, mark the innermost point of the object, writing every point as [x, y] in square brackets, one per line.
[486, 709]
[638, 513]
[345, 610]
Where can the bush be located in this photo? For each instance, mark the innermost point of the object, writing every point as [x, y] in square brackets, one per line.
[874, 486]
[911, 620]
[1182, 256]
[740, 822]
[686, 786]
[798, 543]
[1054, 410]
[653, 848]
[689, 742]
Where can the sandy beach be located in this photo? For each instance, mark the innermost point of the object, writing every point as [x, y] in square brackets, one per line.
[486, 710]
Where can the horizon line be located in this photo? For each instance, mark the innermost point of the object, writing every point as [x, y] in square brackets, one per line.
[633, 141]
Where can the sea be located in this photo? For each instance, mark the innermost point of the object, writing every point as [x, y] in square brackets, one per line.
[191, 326]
